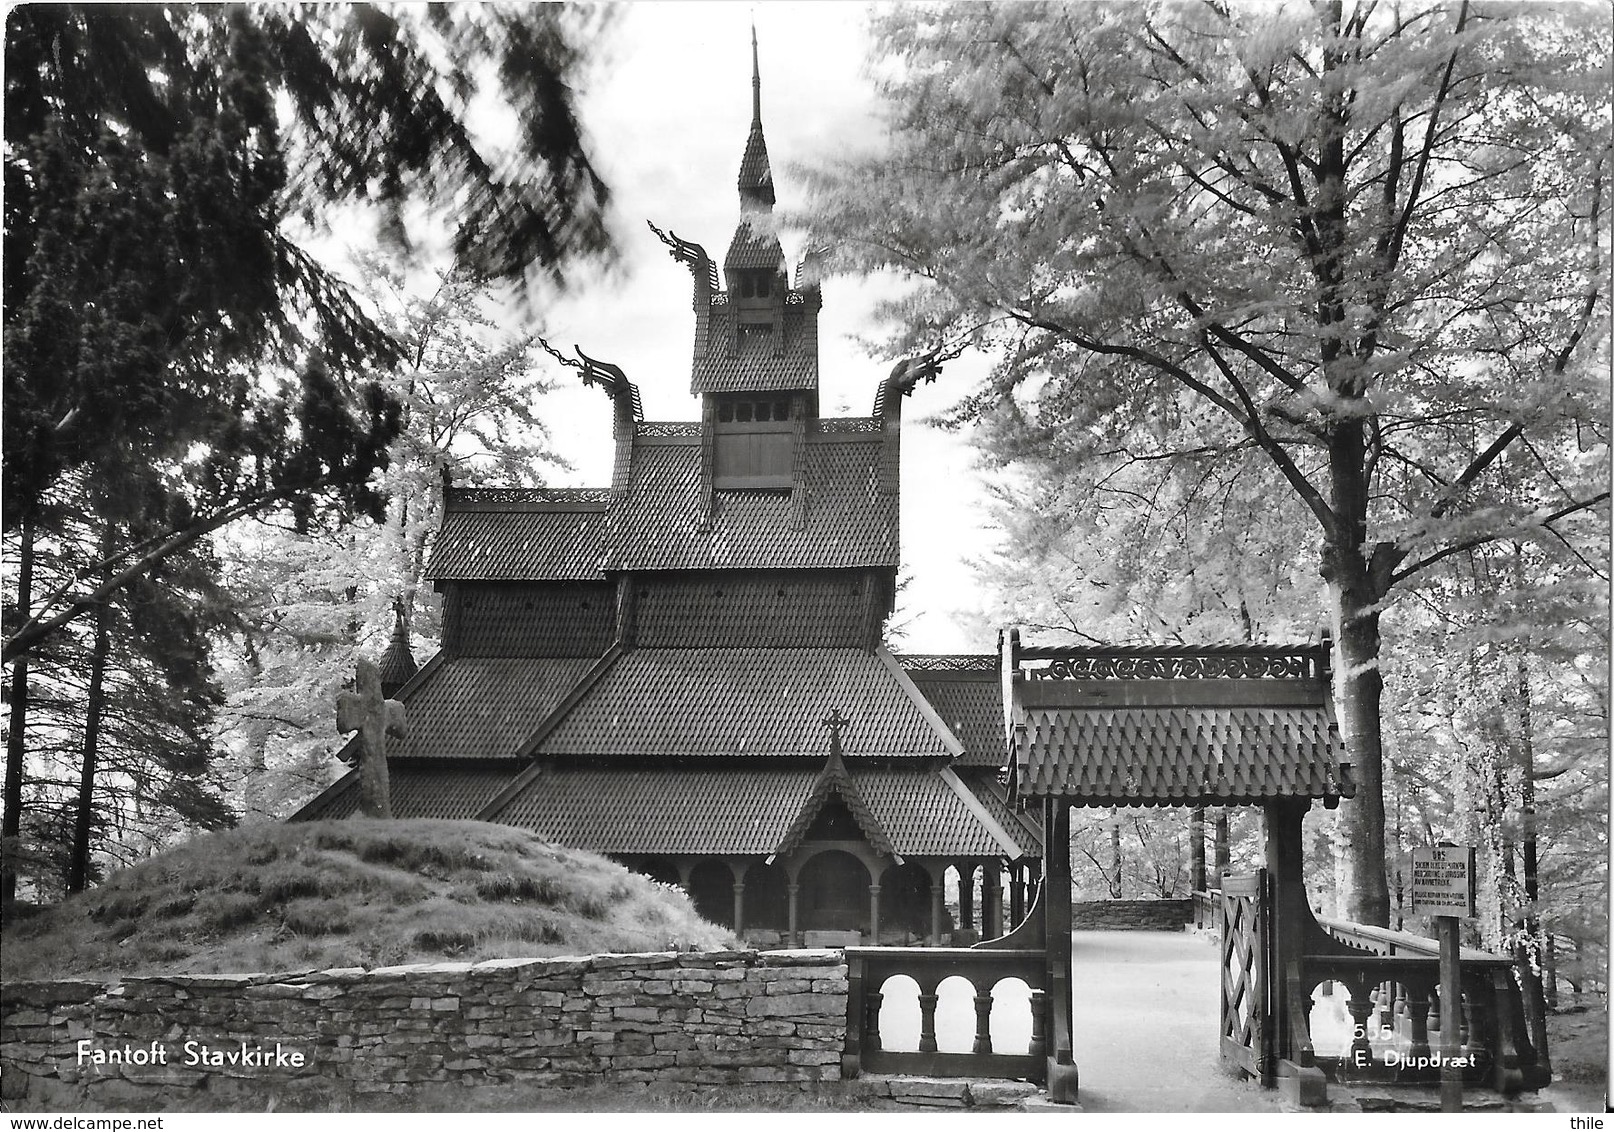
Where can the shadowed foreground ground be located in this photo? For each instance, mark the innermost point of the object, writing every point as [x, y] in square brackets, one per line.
[1145, 1026]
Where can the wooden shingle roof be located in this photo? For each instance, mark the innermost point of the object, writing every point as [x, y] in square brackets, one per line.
[755, 244]
[744, 364]
[453, 789]
[1156, 740]
[834, 781]
[745, 702]
[970, 702]
[661, 810]
[482, 707]
[848, 521]
[756, 177]
[520, 534]
[933, 815]
[1023, 827]
[742, 810]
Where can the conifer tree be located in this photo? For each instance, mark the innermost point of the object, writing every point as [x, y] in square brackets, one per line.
[154, 298]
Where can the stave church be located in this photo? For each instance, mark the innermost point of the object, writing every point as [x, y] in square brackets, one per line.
[685, 670]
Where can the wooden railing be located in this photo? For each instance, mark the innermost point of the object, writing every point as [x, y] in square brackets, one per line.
[1392, 1032]
[1206, 906]
[868, 969]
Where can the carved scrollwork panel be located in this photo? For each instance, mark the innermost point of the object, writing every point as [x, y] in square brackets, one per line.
[669, 428]
[851, 424]
[1186, 666]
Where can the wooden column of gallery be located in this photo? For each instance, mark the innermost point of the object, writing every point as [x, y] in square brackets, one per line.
[988, 919]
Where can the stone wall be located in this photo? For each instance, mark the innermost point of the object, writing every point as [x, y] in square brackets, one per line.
[1133, 915]
[712, 1018]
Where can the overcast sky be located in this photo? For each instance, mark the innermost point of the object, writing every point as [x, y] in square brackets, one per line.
[667, 114]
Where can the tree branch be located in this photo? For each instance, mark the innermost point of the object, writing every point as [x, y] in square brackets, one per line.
[38, 627]
[1469, 544]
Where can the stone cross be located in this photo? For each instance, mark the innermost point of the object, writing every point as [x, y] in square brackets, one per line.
[376, 720]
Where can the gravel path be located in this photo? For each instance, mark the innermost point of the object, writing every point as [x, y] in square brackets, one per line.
[1145, 1026]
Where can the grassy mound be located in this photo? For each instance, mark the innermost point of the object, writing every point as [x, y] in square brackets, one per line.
[352, 893]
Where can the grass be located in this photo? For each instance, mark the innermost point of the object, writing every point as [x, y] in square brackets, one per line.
[354, 893]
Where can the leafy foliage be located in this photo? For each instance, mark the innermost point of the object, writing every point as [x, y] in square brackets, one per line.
[163, 324]
[1367, 245]
[142, 666]
[307, 603]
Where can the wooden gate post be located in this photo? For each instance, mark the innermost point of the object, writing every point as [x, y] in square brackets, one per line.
[1285, 853]
[1062, 1075]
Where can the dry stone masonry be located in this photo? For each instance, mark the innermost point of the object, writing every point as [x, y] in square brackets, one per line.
[702, 1018]
[1132, 915]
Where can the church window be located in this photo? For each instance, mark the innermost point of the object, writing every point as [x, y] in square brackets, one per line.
[754, 284]
[754, 445]
[743, 410]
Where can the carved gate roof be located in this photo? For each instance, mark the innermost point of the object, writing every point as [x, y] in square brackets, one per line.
[1117, 727]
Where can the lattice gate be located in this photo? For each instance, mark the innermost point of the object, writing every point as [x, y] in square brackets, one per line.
[1245, 920]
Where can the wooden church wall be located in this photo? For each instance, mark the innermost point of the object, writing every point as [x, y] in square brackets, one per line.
[824, 609]
[530, 618]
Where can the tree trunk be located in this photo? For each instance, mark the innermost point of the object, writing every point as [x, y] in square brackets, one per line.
[1358, 692]
[255, 773]
[78, 870]
[1527, 806]
[1549, 972]
[1115, 855]
[1196, 849]
[1223, 853]
[11, 824]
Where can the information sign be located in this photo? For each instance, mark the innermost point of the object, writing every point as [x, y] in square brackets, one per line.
[1443, 880]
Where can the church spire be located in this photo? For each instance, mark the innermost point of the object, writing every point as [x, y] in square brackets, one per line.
[756, 178]
[756, 82]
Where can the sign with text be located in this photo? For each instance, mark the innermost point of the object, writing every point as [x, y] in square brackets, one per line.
[1443, 880]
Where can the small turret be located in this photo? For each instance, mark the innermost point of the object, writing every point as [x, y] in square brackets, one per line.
[756, 178]
[755, 265]
[756, 349]
[398, 663]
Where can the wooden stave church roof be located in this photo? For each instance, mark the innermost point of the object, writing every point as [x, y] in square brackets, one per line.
[847, 520]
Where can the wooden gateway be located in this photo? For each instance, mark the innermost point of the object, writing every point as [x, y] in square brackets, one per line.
[1218, 726]
[1232, 726]
[685, 670]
